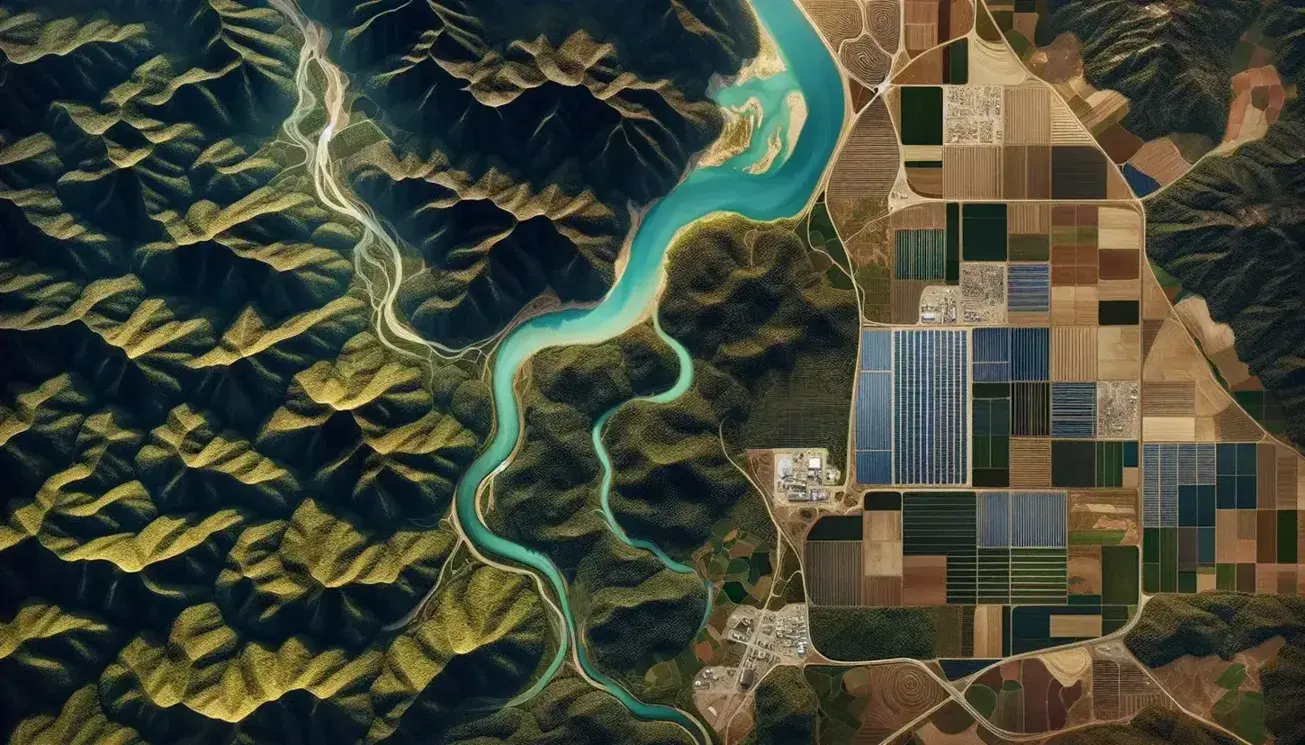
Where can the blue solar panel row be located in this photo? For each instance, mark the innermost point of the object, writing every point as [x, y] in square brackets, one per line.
[1186, 464]
[992, 345]
[1038, 519]
[1182, 484]
[1022, 519]
[876, 351]
[992, 355]
[1030, 354]
[994, 519]
[1196, 464]
[874, 409]
[930, 407]
[1005, 354]
[1205, 460]
[874, 467]
[1160, 486]
[1151, 486]
[1074, 410]
[1030, 288]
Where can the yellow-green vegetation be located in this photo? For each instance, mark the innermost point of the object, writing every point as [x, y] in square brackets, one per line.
[1218, 623]
[1283, 681]
[786, 709]
[672, 479]
[773, 347]
[41, 637]
[225, 497]
[220, 488]
[736, 133]
[758, 319]
[547, 497]
[520, 144]
[748, 302]
[738, 565]
[632, 627]
[308, 572]
[1229, 231]
[567, 712]
[1223, 624]
[852, 634]
[1151, 726]
[822, 237]
[740, 562]
[634, 611]
[223, 494]
[205, 678]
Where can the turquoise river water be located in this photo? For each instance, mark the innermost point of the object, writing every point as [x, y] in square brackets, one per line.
[783, 190]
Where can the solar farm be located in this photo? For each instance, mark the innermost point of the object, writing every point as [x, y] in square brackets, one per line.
[1037, 441]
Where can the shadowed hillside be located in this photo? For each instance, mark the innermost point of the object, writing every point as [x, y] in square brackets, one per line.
[522, 136]
[1171, 59]
[223, 494]
[1223, 624]
[637, 612]
[763, 326]
[1231, 231]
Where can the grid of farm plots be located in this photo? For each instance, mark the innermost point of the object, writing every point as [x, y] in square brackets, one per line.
[999, 426]
[1221, 499]
[1016, 140]
[1016, 568]
[997, 435]
[1221, 516]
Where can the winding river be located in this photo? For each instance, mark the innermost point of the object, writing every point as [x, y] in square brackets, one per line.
[774, 177]
[783, 190]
